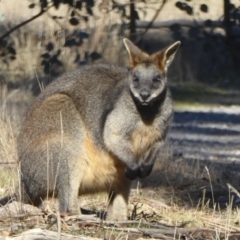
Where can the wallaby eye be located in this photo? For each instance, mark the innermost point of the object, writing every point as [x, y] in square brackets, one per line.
[157, 79]
[135, 79]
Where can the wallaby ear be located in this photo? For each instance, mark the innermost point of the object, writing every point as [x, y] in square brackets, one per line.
[135, 54]
[165, 57]
[170, 53]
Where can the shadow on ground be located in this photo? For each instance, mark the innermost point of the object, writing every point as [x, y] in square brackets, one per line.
[203, 152]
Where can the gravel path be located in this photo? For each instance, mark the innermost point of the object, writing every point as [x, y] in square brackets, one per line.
[208, 137]
[207, 134]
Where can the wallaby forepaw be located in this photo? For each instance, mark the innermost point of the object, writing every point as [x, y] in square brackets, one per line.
[132, 174]
[145, 170]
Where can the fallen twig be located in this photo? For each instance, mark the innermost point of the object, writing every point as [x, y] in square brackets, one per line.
[38, 233]
[59, 225]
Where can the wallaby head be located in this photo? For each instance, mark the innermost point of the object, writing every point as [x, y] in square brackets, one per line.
[149, 72]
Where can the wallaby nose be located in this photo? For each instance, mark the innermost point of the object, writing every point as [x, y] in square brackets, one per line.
[144, 94]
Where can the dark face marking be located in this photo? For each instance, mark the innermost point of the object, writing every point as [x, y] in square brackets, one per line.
[147, 82]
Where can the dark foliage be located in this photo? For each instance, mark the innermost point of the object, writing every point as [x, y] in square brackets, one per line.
[223, 51]
[184, 7]
[204, 8]
[7, 51]
[51, 63]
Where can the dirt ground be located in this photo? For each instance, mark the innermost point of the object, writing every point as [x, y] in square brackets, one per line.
[202, 152]
[210, 133]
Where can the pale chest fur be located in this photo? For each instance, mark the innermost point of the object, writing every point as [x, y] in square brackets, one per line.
[124, 128]
[143, 137]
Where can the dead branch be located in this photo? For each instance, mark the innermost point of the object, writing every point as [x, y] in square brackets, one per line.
[153, 19]
[38, 233]
[170, 233]
[42, 11]
[100, 30]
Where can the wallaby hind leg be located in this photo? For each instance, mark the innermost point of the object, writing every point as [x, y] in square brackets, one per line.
[68, 196]
[68, 199]
[68, 186]
[118, 201]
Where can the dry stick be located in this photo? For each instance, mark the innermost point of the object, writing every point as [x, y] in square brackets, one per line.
[47, 171]
[142, 223]
[87, 218]
[221, 225]
[91, 219]
[98, 35]
[61, 124]
[41, 86]
[233, 189]
[131, 230]
[175, 233]
[160, 232]
[136, 222]
[8, 163]
[24, 23]
[229, 210]
[39, 233]
[23, 215]
[210, 184]
[58, 225]
[203, 198]
[12, 134]
[153, 19]
[55, 181]
[19, 183]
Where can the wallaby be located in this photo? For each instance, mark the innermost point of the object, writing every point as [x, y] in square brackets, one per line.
[96, 129]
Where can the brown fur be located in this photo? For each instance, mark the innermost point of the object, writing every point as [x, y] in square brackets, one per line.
[99, 163]
[143, 138]
[95, 130]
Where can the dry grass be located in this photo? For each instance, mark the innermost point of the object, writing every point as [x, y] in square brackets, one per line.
[150, 215]
[9, 125]
[7, 138]
[167, 198]
[177, 194]
[30, 43]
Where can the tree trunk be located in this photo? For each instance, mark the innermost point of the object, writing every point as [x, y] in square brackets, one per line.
[226, 20]
[132, 24]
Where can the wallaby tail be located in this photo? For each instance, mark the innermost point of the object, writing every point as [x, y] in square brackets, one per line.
[8, 199]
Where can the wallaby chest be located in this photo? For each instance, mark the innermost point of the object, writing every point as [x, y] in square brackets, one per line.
[125, 126]
[143, 136]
